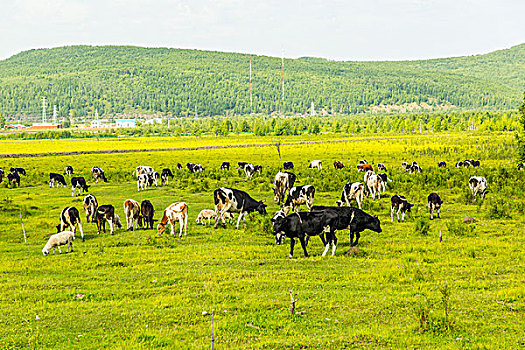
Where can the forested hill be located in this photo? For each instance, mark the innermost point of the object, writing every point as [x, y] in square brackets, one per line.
[119, 79]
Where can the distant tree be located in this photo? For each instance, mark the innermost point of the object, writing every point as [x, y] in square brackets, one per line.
[2, 121]
[521, 137]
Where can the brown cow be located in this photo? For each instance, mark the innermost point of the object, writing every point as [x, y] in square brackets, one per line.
[364, 167]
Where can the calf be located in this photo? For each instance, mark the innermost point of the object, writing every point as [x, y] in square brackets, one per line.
[288, 165]
[19, 171]
[281, 185]
[59, 179]
[146, 214]
[353, 219]
[107, 213]
[98, 173]
[232, 200]
[13, 179]
[205, 214]
[364, 167]
[384, 181]
[90, 205]
[434, 204]
[165, 175]
[143, 181]
[68, 170]
[399, 204]
[373, 184]
[299, 195]
[338, 165]
[70, 217]
[155, 177]
[80, 183]
[304, 224]
[225, 166]
[316, 164]
[351, 191]
[381, 167]
[174, 212]
[442, 164]
[478, 184]
[131, 212]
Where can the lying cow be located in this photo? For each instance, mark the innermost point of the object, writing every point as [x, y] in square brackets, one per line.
[59, 179]
[132, 213]
[174, 212]
[281, 185]
[434, 204]
[351, 191]
[107, 213]
[478, 184]
[232, 200]
[146, 214]
[399, 204]
[80, 183]
[165, 175]
[90, 205]
[297, 196]
[69, 218]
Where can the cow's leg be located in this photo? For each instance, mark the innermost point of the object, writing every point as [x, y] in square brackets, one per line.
[431, 211]
[357, 236]
[303, 244]
[292, 243]
[81, 230]
[351, 238]
[241, 215]
[72, 191]
[403, 216]
[327, 244]
[110, 226]
[398, 214]
[334, 244]
[439, 217]
[392, 213]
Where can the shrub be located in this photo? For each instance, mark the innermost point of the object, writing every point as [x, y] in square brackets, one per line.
[499, 209]
[459, 228]
[421, 226]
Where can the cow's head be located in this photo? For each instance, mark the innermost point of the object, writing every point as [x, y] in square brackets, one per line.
[117, 222]
[160, 228]
[261, 207]
[277, 222]
[409, 206]
[375, 225]
[85, 188]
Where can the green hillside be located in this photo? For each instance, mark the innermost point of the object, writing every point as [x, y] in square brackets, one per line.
[119, 79]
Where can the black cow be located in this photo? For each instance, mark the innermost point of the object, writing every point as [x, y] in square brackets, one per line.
[304, 224]
[146, 211]
[475, 163]
[2, 174]
[80, 183]
[70, 217]
[299, 195]
[434, 204]
[288, 165]
[236, 201]
[338, 164]
[165, 175]
[442, 164]
[353, 219]
[59, 179]
[13, 179]
[225, 166]
[68, 170]
[399, 204]
[90, 205]
[107, 213]
[19, 171]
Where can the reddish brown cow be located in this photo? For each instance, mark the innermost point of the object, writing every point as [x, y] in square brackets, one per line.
[364, 167]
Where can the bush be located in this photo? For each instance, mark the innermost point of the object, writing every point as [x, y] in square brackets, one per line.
[499, 209]
[421, 226]
[459, 228]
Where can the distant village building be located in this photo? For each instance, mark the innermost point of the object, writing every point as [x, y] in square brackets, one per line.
[97, 124]
[153, 121]
[125, 123]
[44, 126]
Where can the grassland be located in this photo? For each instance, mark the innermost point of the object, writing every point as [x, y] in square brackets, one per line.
[139, 290]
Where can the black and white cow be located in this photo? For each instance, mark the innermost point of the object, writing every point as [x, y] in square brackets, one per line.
[225, 166]
[475, 163]
[306, 224]
[297, 196]
[155, 176]
[353, 219]
[236, 201]
[520, 166]
[98, 173]
[68, 170]
[166, 174]
[316, 164]
[459, 164]
[434, 204]
[258, 169]
[414, 168]
[384, 181]
[373, 184]
[467, 163]
[13, 179]
[281, 185]
[478, 184]
[405, 166]
[90, 205]
[399, 204]
[70, 217]
[194, 168]
[59, 179]
[19, 171]
[2, 174]
[249, 169]
[147, 212]
[143, 169]
[442, 164]
[179, 166]
[143, 181]
[381, 167]
[351, 191]
[80, 183]
[288, 165]
[363, 161]
[107, 213]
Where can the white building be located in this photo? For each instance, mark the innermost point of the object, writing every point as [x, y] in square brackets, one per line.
[153, 121]
[125, 123]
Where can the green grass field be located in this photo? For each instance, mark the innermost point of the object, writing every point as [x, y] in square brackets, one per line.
[402, 288]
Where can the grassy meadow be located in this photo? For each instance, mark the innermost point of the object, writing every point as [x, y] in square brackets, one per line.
[402, 288]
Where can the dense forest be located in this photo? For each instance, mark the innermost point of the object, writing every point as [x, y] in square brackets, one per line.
[119, 80]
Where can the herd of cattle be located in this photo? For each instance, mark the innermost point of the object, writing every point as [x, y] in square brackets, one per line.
[288, 221]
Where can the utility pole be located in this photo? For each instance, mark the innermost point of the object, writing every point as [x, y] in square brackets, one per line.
[282, 65]
[251, 100]
[54, 114]
[44, 118]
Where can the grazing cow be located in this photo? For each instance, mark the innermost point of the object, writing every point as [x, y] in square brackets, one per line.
[384, 181]
[155, 177]
[364, 167]
[174, 212]
[205, 214]
[459, 164]
[179, 166]
[241, 165]
[338, 164]
[521, 166]
[381, 167]
[281, 185]
[166, 174]
[90, 206]
[288, 165]
[232, 200]
[434, 204]
[404, 166]
[351, 191]
[2, 175]
[475, 163]
[59, 179]
[132, 212]
[98, 173]
[194, 168]
[399, 204]
[70, 217]
[316, 164]
[478, 184]
[305, 224]
[297, 196]
[146, 214]
[143, 169]
[225, 166]
[249, 169]
[68, 170]
[442, 164]
[354, 219]
[80, 183]
[258, 169]
[143, 181]
[363, 161]
[107, 213]
[373, 184]
[13, 179]
[412, 168]
[19, 171]
[467, 164]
